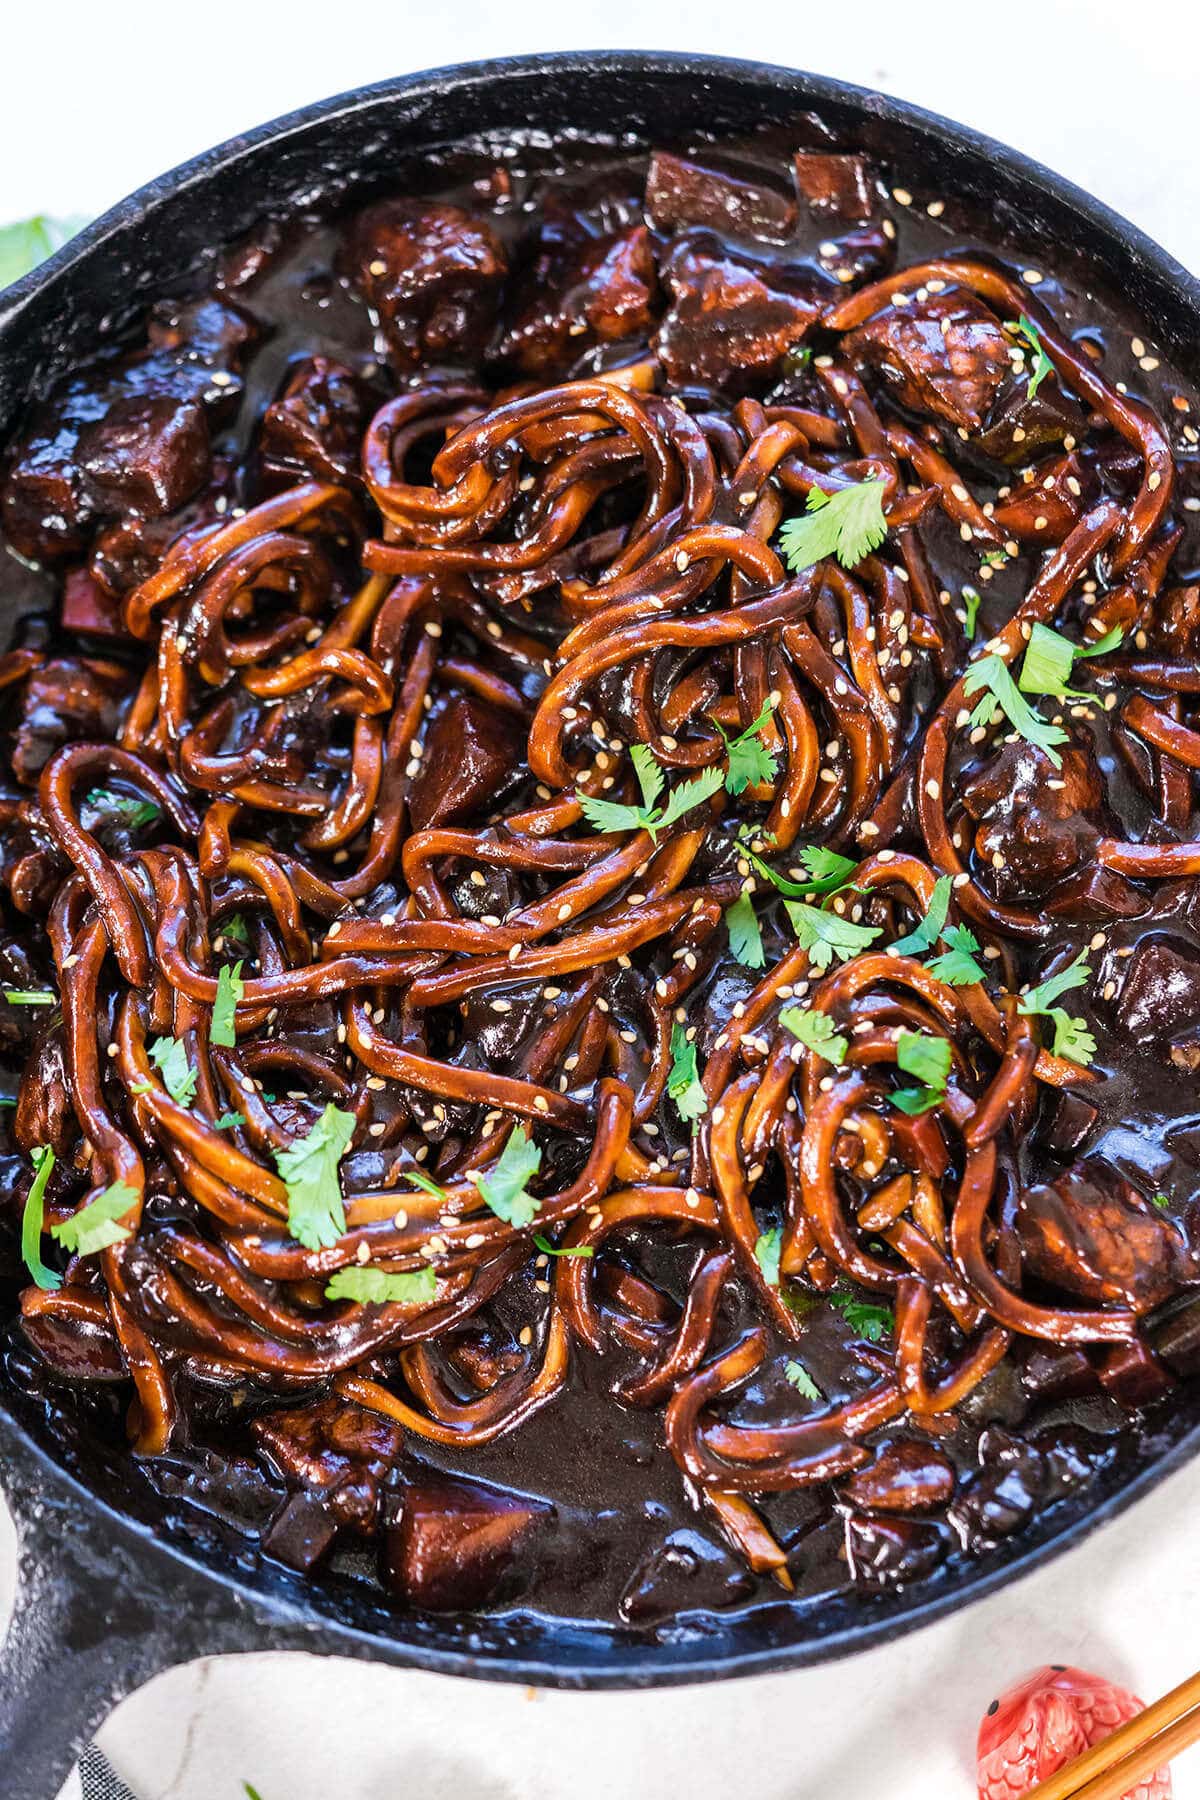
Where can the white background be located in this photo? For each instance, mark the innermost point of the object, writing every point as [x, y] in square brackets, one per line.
[98, 98]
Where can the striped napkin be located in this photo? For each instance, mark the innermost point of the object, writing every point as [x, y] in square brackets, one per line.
[99, 1782]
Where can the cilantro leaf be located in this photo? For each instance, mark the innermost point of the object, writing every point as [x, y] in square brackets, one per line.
[549, 1249]
[848, 524]
[971, 598]
[33, 1219]
[170, 1057]
[750, 762]
[137, 812]
[28, 242]
[1041, 998]
[1073, 1038]
[683, 1079]
[504, 1188]
[425, 1182]
[375, 1287]
[828, 934]
[1102, 646]
[745, 937]
[235, 930]
[30, 996]
[767, 1251]
[924, 936]
[97, 1225]
[613, 815]
[870, 1320]
[1042, 366]
[957, 965]
[1162, 1201]
[801, 1380]
[309, 1168]
[828, 870]
[928, 1058]
[227, 1119]
[992, 673]
[230, 988]
[826, 865]
[816, 1031]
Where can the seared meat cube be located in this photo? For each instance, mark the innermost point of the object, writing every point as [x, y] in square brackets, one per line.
[315, 426]
[1159, 1000]
[685, 1571]
[835, 184]
[602, 292]
[1041, 820]
[1091, 1234]
[204, 334]
[66, 701]
[90, 608]
[148, 453]
[681, 194]
[1068, 1121]
[906, 1476]
[886, 1553]
[730, 317]
[44, 1111]
[431, 272]
[1046, 507]
[1018, 426]
[339, 1452]
[1177, 620]
[943, 357]
[471, 751]
[454, 1542]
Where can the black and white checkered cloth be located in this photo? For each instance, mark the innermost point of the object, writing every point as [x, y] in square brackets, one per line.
[99, 1782]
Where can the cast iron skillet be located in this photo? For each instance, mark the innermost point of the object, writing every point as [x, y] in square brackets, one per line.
[112, 1590]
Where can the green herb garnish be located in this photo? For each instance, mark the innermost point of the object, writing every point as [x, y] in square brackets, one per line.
[971, 599]
[1042, 366]
[549, 1249]
[504, 1188]
[1048, 658]
[957, 966]
[234, 929]
[33, 1219]
[98, 1224]
[826, 935]
[767, 1251]
[745, 936]
[230, 989]
[992, 673]
[1073, 1038]
[228, 1119]
[309, 1168]
[801, 1380]
[683, 1079]
[425, 1182]
[30, 996]
[375, 1287]
[925, 935]
[928, 1058]
[136, 812]
[816, 1031]
[848, 524]
[170, 1057]
[869, 1320]
[612, 815]
[750, 762]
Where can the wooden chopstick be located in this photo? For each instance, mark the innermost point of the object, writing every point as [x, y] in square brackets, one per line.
[1148, 1742]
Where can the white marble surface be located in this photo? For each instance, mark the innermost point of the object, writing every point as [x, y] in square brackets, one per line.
[98, 99]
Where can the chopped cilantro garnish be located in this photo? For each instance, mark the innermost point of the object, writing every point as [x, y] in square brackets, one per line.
[230, 988]
[97, 1225]
[30, 996]
[1048, 658]
[1160, 1200]
[745, 937]
[425, 1182]
[828, 934]
[504, 1187]
[971, 600]
[683, 1079]
[957, 966]
[136, 812]
[1042, 366]
[170, 1057]
[828, 870]
[750, 762]
[227, 1119]
[612, 815]
[1073, 1038]
[234, 929]
[992, 673]
[34, 1217]
[928, 1058]
[1041, 998]
[925, 935]
[801, 1380]
[848, 524]
[816, 1031]
[870, 1320]
[375, 1287]
[993, 559]
[309, 1167]
[549, 1249]
[767, 1251]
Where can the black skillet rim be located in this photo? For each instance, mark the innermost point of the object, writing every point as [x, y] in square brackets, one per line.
[40, 1488]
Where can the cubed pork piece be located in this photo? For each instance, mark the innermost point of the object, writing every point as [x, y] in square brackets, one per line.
[1042, 821]
[598, 293]
[314, 428]
[681, 194]
[943, 357]
[730, 317]
[835, 185]
[455, 1541]
[337, 1452]
[1089, 1233]
[1158, 1002]
[66, 701]
[432, 273]
[471, 752]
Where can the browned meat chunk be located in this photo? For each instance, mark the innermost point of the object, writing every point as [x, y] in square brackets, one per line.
[1018, 427]
[431, 272]
[471, 751]
[204, 335]
[1091, 1234]
[685, 1571]
[1177, 620]
[1043, 509]
[728, 317]
[1068, 1122]
[681, 194]
[44, 1112]
[338, 1452]
[455, 1541]
[90, 608]
[315, 426]
[835, 184]
[71, 699]
[148, 453]
[1159, 999]
[906, 1476]
[944, 357]
[887, 1553]
[603, 292]
[1042, 821]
